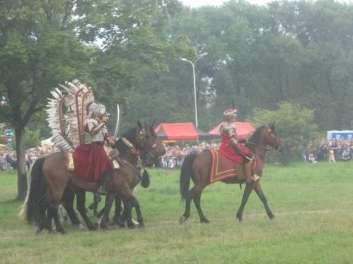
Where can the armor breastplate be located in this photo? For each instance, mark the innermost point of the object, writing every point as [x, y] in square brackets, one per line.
[228, 129]
[98, 137]
[94, 136]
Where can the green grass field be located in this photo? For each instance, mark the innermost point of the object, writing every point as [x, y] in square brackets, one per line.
[313, 205]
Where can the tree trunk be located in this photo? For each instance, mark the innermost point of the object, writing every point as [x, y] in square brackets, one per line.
[21, 165]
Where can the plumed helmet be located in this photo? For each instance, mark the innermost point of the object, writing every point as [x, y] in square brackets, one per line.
[96, 109]
[230, 112]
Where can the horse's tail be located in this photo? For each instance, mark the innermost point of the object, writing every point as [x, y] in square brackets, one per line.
[36, 195]
[186, 173]
[23, 207]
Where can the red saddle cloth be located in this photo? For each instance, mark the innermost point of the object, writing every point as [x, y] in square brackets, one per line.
[91, 161]
[222, 167]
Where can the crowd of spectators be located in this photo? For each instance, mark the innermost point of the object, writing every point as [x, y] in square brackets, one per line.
[175, 154]
[8, 160]
[331, 150]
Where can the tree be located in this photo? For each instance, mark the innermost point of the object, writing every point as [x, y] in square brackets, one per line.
[294, 124]
[135, 55]
[38, 50]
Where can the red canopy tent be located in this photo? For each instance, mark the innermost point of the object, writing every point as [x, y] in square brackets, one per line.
[177, 131]
[244, 129]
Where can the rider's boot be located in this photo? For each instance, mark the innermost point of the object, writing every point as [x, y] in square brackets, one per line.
[69, 161]
[250, 177]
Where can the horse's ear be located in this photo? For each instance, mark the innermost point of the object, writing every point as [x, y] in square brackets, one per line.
[152, 130]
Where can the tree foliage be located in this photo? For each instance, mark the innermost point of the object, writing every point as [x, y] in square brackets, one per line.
[129, 51]
[293, 122]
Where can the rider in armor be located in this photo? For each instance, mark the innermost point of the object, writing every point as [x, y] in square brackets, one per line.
[231, 148]
[91, 157]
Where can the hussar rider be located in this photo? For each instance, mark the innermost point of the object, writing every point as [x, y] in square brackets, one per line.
[90, 159]
[231, 148]
[79, 129]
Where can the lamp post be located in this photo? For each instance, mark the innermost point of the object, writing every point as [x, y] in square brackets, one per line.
[194, 80]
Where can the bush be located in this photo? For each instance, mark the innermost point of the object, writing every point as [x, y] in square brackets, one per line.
[294, 124]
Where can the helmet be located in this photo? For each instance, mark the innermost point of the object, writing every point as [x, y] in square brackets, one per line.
[95, 109]
[231, 112]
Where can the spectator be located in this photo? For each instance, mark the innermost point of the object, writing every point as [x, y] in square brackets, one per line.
[12, 161]
[2, 162]
[312, 158]
[331, 156]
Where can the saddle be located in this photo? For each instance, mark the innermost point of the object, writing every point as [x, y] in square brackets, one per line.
[223, 168]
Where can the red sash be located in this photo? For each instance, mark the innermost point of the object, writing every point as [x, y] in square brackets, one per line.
[91, 161]
[227, 150]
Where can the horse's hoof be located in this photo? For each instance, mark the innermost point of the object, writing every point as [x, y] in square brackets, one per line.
[81, 227]
[131, 225]
[141, 225]
[120, 224]
[103, 227]
[93, 227]
[183, 219]
[271, 216]
[204, 221]
[61, 231]
[39, 230]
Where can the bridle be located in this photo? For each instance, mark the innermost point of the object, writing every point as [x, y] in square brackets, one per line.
[264, 148]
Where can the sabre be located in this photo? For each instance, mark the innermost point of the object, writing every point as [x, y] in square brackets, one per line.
[117, 121]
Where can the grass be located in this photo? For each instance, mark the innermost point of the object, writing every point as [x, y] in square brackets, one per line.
[313, 204]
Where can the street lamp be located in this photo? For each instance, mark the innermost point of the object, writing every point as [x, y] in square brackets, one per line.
[194, 79]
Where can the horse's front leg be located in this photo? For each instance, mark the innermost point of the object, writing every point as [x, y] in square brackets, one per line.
[109, 198]
[248, 189]
[134, 203]
[81, 201]
[119, 215]
[261, 195]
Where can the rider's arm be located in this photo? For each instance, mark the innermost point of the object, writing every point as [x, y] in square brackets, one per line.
[229, 130]
[93, 127]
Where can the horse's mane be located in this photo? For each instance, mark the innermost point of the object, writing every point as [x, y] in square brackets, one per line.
[255, 137]
[130, 133]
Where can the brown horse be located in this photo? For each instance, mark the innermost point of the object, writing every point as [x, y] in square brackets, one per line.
[51, 181]
[197, 166]
[130, 151]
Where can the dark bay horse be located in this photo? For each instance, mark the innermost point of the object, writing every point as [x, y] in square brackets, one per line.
[51, 182]
[197, 166]
[131, 151]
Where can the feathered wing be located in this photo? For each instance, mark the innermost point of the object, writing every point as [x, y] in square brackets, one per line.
[67, 112]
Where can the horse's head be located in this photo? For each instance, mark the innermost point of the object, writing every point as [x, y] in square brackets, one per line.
[153, 148]
[145, 141]
[270, 137]
[265, 135]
